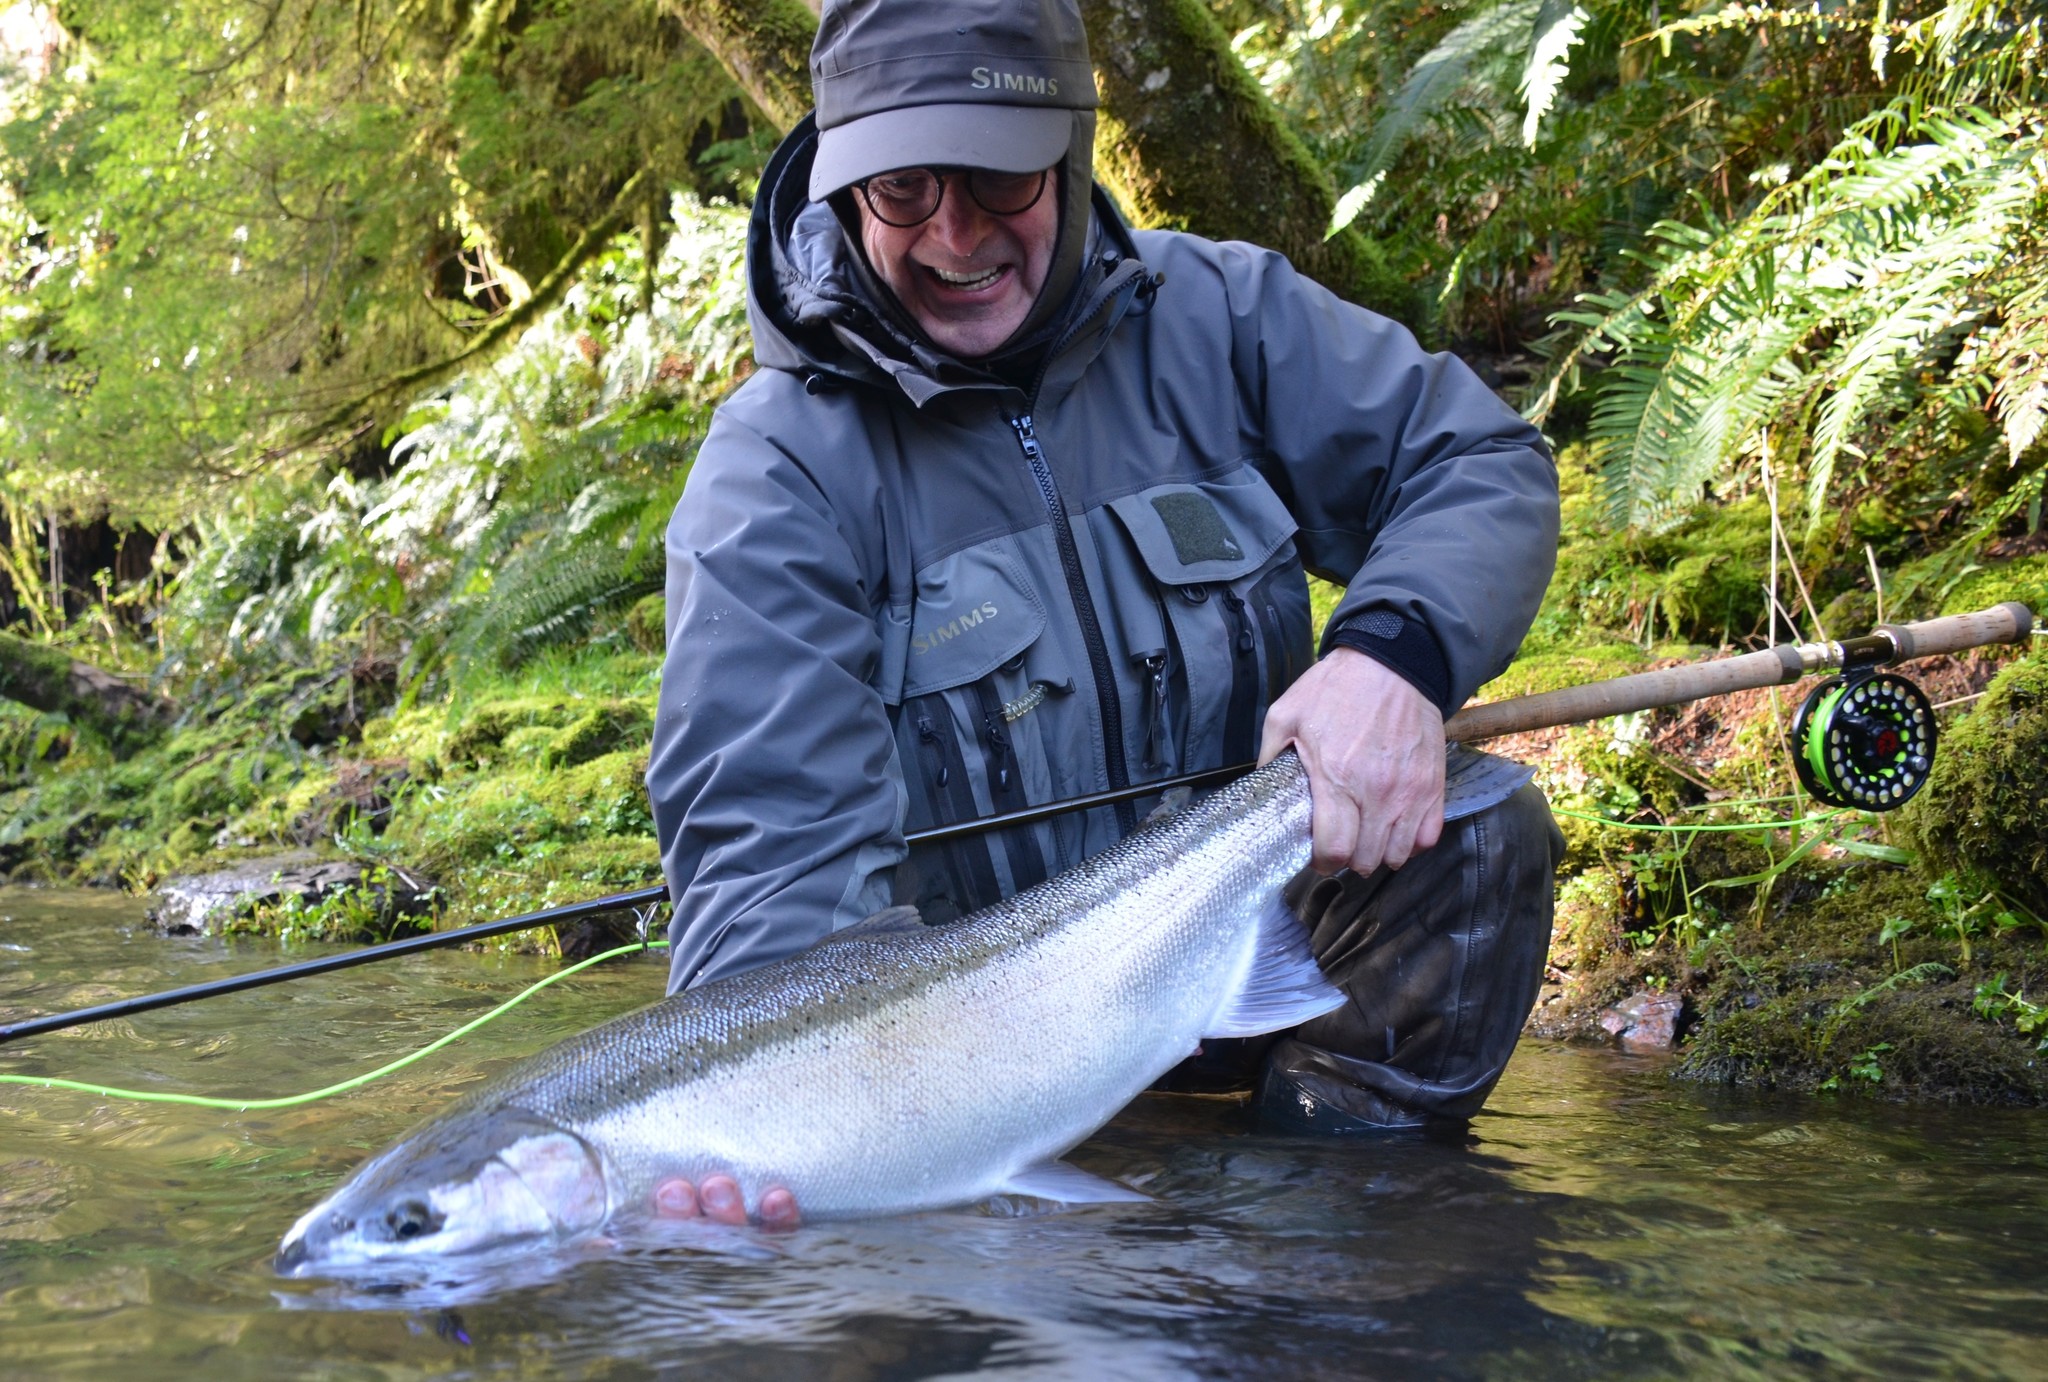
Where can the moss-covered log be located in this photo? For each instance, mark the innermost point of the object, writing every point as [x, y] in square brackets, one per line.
[1186, 139]
[764, 44]
[46, 679]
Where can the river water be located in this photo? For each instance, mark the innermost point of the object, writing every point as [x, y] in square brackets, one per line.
[1600, 1220]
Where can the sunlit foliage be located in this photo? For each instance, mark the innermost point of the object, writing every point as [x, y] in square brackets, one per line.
[240, 226]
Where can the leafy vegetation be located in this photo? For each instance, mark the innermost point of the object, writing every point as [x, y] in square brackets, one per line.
[231, 223]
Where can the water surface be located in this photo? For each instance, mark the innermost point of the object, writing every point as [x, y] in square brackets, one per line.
[1599, 1220]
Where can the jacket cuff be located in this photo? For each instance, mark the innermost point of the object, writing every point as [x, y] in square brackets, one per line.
[1401, 644]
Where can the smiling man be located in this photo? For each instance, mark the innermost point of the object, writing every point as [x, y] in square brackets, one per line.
[1018, 508]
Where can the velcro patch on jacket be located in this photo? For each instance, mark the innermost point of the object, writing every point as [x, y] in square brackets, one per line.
[1197, 529]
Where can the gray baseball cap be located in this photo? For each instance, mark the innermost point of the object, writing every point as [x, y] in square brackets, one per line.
[966, 83]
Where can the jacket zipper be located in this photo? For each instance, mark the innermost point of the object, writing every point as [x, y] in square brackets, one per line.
[1117, 770]
[1237, 735]
[1006, 788]
[928, 736]
[1155, 710]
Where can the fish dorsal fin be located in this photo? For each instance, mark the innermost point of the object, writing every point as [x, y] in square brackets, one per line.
[1068, 1184]
[887, 922]
[1283, 986]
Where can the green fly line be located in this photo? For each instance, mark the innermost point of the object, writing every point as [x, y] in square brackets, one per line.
[289, 1100]
[1824, 818]
[357, 1082]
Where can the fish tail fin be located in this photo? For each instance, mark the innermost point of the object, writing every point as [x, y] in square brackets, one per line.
[1067, 1183]
[1282, 986]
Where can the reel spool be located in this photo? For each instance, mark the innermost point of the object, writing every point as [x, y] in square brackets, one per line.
[1864, 741]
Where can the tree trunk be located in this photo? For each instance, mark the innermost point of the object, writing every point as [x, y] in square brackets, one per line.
[1185, 138]
[44, 679]
[1188, 141]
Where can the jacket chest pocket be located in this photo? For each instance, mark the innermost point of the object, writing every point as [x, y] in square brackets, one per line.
[968, 672]
[1229, 600]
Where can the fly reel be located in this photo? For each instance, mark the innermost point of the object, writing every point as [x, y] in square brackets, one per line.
[1864, 741]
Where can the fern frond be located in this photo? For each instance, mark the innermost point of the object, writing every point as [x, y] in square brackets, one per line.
[1558, 29]
[1436, 77]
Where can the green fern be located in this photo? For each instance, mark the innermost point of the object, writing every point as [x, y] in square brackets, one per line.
[1431, 83]
[1559, 27]
[1841, 300]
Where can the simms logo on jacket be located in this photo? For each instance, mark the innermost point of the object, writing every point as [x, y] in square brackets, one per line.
[952, 628]
[987, 78]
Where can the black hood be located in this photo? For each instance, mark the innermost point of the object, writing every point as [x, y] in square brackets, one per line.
[815, 309]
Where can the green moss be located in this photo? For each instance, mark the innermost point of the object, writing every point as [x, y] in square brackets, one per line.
[1322, 602]
[1806, 1000]
[1852, 612]
[647, 623]
[551, 876]
[293, 815]
[549, 731]
[229, 781]
[1555, 668]
[2024, 580]
[190, 840]
[504, 816]
[1590, 921]
[1982, 812]
[603, 729]
[1696, 582]
[481, 735]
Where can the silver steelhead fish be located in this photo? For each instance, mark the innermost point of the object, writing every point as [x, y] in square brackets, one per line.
[883, 1070]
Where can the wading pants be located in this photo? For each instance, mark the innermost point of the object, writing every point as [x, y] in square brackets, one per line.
[1441, 959]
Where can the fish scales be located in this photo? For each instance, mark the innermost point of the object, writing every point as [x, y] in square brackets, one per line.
[901, 1070]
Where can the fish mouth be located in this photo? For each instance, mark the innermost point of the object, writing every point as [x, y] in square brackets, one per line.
[546, 1184]
[292, 1257]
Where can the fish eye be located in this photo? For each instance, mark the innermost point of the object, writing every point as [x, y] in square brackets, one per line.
[410, 1219]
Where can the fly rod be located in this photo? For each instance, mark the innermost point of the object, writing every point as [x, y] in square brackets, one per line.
[639, 899]
[1863, 739]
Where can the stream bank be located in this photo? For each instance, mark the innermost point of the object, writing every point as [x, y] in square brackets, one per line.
[1899, 957]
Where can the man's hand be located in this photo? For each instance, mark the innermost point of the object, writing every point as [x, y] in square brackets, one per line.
[1374, 750]
[720, 1201]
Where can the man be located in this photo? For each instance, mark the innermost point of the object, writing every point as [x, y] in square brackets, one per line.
[1017, 508]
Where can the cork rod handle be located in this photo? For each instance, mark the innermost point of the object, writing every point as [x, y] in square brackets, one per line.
[2007, 623]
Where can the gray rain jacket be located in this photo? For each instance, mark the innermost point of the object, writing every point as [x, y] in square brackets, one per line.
[902, 592]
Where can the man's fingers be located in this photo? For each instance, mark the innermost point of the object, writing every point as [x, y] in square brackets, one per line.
[1335, 823]
[1371, 847]
[722, 1200]
[1401, 842]
[676, 1198]
[1432, 824]
[1277, 734]
[778, 1209]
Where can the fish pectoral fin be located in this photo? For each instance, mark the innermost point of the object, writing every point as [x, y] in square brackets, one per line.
[1069, 1184]
[1283, 986]
[888, 921]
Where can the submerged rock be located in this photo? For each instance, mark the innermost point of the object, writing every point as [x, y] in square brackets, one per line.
[202, 904]
[1646, 1021]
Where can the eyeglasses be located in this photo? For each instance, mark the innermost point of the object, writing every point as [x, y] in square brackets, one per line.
[911, 196]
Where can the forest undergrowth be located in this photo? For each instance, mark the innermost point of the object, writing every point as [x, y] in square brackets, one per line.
[1770, 279]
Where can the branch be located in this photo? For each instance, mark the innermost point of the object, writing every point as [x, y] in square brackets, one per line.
[764, 44]
[505, 327]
